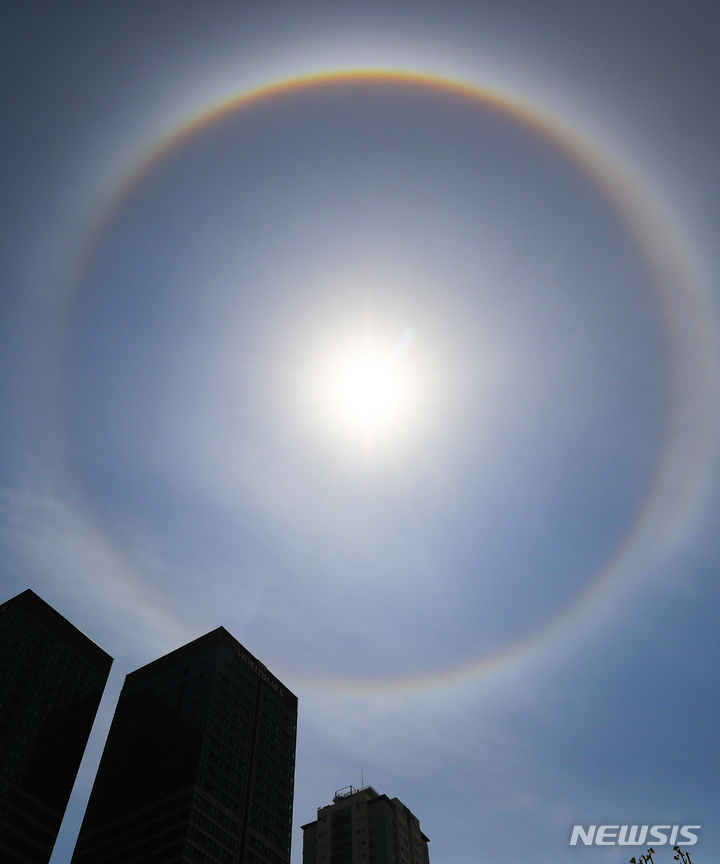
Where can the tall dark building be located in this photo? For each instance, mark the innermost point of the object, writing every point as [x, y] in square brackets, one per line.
[199, 764]
[51, 680]
[363, 827]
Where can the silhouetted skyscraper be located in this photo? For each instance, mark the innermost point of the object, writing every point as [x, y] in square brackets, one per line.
[199, 763]
[363, 827]
[51, 680]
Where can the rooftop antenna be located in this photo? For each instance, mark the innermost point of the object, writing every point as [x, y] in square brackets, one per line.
[362, 780]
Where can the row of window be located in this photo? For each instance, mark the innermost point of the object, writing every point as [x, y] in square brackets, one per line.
[231, 822]
[161, 679]
[211, 846]
[39, 640]
[281, 794]
[232, 803]
[252, 858]
[275, 747]
[271, 829]
[239, 680]
[274, 718]
[196, 854]
[263, 757]
[382, 817]
[270, 780]
[23, 847]
[226, 768]
[281, 714]
[132, 838]
[266, 852]
[243, 702]
[12, 818]
[281, 825]
[382, 856]
[215, 831]
[268, 803]
[49, 684]
[222, 782]
[234, 755]
[226, 715]
[40, 672]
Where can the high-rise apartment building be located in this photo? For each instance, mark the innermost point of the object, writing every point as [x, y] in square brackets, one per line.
[199, 763]
[51, 680]
[363, 827]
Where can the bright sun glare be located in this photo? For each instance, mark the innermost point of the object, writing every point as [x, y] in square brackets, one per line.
[367, 389]
[366, 386]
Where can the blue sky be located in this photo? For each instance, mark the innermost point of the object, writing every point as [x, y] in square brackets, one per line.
[497, 600]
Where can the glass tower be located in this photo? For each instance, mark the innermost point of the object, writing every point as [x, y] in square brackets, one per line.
[363, 827]
[199, 763]
[51, 680]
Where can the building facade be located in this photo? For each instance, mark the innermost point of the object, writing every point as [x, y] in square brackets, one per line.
[363, 827]
[51, 680]
[199, 763]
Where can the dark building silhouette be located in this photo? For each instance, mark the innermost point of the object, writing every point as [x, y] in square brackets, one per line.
[51, 680]
[363, 827]
[199, 763]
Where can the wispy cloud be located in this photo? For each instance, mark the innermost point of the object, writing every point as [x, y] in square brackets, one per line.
[62, 555]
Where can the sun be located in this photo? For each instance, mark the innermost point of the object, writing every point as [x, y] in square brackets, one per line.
[367, 389]
[361, 387]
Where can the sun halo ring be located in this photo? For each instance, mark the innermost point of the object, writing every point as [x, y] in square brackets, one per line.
[678, 481]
